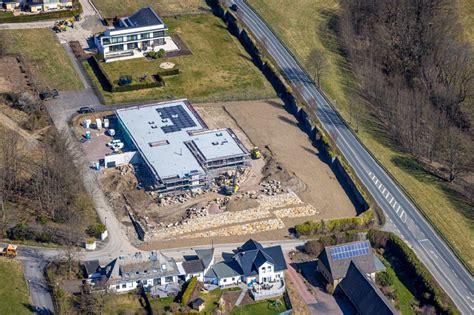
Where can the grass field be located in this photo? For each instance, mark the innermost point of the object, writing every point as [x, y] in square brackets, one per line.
[112, 8]
[48, 61]
[218, 70]
[305, 25]
[14, 295]
[260, 308]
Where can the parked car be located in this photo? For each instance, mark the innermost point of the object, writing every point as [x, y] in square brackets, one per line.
[114, 143]
[86, 110]
[46, 95]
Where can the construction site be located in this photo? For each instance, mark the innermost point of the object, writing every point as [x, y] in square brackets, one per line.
[280, 182]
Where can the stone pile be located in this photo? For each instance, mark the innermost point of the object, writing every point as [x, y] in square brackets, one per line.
[125, 169]
[272, 188]
[304, 211]
[167, 200]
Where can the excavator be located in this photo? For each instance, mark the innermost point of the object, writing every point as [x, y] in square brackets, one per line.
[255, 153]
[232, 189]
[8, 251]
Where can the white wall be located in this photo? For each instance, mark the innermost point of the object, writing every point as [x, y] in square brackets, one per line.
[229, 281]
[121, 159]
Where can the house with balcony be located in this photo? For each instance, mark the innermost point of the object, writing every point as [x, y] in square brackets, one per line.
[134, 36]
[261, 269]
[125, 274]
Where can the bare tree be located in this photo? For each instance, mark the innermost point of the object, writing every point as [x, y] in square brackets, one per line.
[317, 61]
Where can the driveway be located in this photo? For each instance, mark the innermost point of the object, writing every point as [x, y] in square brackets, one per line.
[299, 284]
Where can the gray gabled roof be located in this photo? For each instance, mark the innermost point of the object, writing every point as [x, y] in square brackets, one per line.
[206, 255]
[363, 293]
[193, 266]
[143, 17]
[91, 266]
[224, 270]
[338, 267]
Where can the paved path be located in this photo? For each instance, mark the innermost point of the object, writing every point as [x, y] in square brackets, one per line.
[299, 284]
[410, 224]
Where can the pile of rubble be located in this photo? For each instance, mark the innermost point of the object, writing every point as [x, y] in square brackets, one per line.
[164, 201]
[125, 169]
[241, 175]
[272, 188]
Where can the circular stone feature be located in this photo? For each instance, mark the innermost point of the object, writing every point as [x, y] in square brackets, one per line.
[167, 65]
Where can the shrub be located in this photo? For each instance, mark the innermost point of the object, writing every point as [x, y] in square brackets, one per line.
[95, 230]
[415, 270]
[329, 288]
[44, 237]
[20, 232]
[161, 53]
[125, 80]
[313, 247]
[384, 279]
[188, 291]
[43, 16]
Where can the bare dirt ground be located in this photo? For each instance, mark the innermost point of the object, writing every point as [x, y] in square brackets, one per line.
[269, 126]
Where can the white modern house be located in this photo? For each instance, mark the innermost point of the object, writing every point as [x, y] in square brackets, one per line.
[261, 269]
[135, 36]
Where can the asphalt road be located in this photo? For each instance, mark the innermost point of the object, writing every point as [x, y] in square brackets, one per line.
[409, 223]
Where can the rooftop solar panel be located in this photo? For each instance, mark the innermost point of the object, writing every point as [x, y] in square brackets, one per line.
[349, 251]
[178, 116]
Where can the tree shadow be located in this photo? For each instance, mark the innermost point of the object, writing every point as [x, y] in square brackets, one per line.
[38, 310]
[461, 204]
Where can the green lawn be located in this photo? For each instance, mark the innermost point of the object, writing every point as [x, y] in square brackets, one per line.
[308, 24]
[49, 63]
[218, 70]
[14, 295]
[112, 8]
[405, 297]
[260, 308]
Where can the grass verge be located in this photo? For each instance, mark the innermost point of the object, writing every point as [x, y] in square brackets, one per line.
[112, 8]
[14, 295]
[48, 61]
[310, 24]
[261, 308]
[218, 70]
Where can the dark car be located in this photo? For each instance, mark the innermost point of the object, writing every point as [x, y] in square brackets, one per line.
[45, 95]
[86, 110]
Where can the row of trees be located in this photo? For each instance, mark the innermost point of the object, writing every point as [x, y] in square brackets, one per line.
[417, 75]
[42, 183]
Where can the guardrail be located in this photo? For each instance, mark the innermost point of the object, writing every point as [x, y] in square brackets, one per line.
[410, 197]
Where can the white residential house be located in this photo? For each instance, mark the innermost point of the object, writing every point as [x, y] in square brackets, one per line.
[134, 36]
[198, 265]
[126, 274]
[260, 268]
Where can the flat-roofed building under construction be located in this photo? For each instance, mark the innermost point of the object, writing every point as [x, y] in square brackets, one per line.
[176, 146]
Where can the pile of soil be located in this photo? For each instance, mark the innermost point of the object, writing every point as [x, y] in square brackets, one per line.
[274, 170]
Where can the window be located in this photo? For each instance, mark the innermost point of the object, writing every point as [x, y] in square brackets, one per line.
[132, 37]
[116, 48]
[169, 279]
[124, 286]
[224, 280]
[269, 268]
[105, 40]
[117, 39]
[158, 34]
[117, 287]
[145, 35]
[263, 269]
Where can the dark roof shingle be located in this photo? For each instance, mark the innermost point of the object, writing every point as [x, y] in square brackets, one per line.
[363, 293]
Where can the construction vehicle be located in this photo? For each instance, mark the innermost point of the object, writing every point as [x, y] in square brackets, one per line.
[233, 188]
[70, 22]
[255, 153]
[60, 26]
[8, 251]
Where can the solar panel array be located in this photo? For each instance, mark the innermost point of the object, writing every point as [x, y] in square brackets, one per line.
[178, 116]
[349, 251]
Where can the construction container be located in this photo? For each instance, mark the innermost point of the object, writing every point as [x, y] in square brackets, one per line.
[88, 134]
[106, 123]
[98, 123]
[87, 123]
[97, 166]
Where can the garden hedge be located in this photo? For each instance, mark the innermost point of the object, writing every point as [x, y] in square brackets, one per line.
[188, 291]
[43, 16]
[415, 268]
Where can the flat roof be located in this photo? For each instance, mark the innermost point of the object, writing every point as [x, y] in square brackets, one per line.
[160, 132]
[215, 144]
[143, 17]
[159, 140]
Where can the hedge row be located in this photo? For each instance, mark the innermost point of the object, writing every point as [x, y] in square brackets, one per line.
[431, 290]
[168, 73]
[109, 86]
[43, 16]
[364, 221]
[188, 291]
